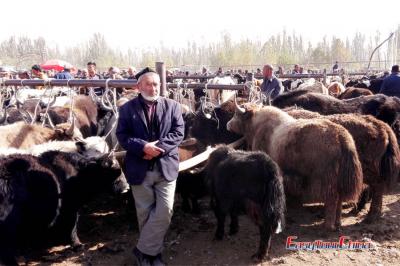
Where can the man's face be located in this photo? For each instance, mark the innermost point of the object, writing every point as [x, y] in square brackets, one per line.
[149, 85]
[35, 72]
[267, 72]
[91, 69]
[131, 71]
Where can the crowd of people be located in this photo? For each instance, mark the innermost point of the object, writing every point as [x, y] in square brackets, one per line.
[90, 72]
[271, 85]
[113, 72]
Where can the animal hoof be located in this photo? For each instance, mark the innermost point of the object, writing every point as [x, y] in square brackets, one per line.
[257, 257]
[330, 228]
[322, 233]
[218, 237]
[196, 211]
[233, 231]
[77, 246]
[371, 218]
[186, 208]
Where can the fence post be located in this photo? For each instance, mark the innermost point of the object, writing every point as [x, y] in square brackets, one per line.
[324, 79]
[161, 70]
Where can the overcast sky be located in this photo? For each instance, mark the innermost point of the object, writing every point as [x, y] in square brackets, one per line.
[147, 23]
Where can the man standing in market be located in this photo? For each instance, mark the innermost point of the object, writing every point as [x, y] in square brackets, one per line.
[150, 128]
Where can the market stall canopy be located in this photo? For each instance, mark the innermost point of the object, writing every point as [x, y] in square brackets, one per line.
[55, 64]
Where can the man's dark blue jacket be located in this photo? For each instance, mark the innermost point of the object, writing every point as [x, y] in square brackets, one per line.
[63, 75]
[132, 133]
[391, 85]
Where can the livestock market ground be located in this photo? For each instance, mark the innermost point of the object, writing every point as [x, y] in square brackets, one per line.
[108, 229]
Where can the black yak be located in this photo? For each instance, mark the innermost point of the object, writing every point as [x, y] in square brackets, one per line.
[208, 126]
[40, 196]
[247, 181]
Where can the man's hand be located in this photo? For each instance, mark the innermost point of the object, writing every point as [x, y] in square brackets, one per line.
[151, 150]
[148, 157]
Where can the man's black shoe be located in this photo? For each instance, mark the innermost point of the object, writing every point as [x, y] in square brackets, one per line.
[141, 258]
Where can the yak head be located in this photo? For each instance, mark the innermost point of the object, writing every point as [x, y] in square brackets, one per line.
[101, 164]
[209, 124]
[238, 123]
[67, 131]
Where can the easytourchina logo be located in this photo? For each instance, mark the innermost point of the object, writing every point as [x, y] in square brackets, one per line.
[344, 242]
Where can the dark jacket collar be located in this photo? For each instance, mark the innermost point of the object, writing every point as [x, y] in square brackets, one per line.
[270, 79]
[159, 109]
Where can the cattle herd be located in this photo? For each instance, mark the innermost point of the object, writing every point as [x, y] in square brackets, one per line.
[316, 143]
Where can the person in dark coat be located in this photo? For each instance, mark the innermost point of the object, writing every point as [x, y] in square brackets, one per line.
[92, 74]
[271, 86]
[65, 74]
[150, 128]
[391, 84]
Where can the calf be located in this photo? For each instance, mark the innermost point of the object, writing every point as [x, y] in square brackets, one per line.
[40, 195]
[248, 181]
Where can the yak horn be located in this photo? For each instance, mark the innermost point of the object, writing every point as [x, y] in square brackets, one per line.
[70, 130]
[239, 109]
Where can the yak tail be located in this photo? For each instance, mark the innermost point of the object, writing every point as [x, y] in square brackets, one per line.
[350, 177]
[274, 203]
[390, 163]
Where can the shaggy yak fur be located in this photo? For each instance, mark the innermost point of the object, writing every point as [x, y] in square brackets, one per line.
[377, 149]
[383, 107]
[21, 135]
[40, 197]
[318, 158]
[246, 181]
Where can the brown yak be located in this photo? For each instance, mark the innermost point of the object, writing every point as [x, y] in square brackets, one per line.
[21, 135]
[383, 107]
[350, 93]
[318, 158]
[85, 113]
[377, 149]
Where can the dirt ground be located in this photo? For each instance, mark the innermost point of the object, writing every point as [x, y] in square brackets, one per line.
[109, 231]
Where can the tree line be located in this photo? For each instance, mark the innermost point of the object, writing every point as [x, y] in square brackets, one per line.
[280, 49]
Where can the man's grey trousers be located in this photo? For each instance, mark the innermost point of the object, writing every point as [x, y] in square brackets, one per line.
[154, 200]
